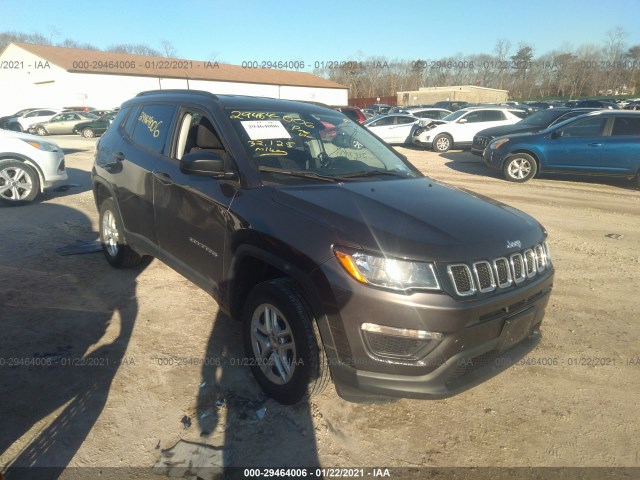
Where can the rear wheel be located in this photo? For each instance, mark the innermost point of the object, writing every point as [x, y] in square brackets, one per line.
[116, 251]
[282, 343]
[19, 182]
[519, 167]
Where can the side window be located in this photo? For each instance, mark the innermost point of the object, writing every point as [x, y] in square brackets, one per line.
[152, 126]
[383, 122]
[586, 127]
[131, 121]
[119, 118]
[404, 120]
[197, 134]
[519, 114]
[474, 117]
[57, 118]
[623, 126]
[492, 116]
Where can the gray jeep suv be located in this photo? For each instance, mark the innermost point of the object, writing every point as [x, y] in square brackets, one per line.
[340, 262]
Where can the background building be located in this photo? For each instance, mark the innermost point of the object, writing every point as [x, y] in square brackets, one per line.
[56, 77]
[468, 93]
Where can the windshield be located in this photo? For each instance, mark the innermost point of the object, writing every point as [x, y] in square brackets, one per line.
[455, 115]
[544, 117]
[301, 147]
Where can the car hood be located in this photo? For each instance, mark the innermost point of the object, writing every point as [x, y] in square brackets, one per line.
[23, 136]
[508, 130]
[414, 218]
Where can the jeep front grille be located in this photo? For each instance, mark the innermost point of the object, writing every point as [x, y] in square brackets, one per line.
[486, 276]
[462, 280]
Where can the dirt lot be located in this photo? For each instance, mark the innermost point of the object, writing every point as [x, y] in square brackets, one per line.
[104, 368]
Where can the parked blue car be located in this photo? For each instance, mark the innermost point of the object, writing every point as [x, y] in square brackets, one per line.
[597, 143]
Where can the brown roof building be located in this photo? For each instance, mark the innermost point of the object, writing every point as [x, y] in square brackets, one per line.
[41, 75]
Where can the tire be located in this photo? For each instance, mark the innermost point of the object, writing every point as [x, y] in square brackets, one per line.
[116, 251]
[19, 182]
[519, 167]
[442, 143]
[88, 133]
[285, 353]
[41, 131]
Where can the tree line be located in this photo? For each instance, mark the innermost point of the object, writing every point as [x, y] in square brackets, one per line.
[609, 69]
[606, 69]
[166, 48]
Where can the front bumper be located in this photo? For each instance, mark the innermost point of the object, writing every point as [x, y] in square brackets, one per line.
[481, 338]
[493, 159]
[52, 168]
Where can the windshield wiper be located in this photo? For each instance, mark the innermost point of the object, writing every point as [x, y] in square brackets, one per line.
[374, 173]
[300, 173]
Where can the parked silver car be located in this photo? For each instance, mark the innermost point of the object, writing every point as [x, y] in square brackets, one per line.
[62, 123]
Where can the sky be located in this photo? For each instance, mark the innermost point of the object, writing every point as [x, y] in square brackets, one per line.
[326, 30]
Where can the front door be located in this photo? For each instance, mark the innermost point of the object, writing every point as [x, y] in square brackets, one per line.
[191, 211]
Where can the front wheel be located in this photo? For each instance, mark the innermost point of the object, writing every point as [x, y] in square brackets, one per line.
[19, 182]
[442, 143]
[116, 251]
[519, 167]
[87, 133]
[282, 343]
[41, 131]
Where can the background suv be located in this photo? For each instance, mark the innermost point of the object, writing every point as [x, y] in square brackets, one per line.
[532, 123]
[340, 262]
[602, 142]
[458, 128]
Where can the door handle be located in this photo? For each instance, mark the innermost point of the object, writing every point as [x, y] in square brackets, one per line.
[163, 178]
[118, 156]
[595, 144]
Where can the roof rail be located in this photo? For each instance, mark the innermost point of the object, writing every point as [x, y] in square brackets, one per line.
[175, 91]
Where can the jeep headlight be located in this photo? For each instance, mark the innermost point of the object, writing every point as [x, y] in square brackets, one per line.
[393, 273]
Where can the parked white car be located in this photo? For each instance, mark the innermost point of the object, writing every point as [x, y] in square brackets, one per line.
[458, 129]
[28, 165]
[35, 116]
[393, 128]
[429, 112]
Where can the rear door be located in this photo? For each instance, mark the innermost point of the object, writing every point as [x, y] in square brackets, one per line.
[621, 153]
[146, 140]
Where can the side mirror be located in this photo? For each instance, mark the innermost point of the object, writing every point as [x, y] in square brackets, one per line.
[205, 164]
[463, 120]
[556, 134]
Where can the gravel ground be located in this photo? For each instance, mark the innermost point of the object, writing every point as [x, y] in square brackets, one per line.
[104, 368]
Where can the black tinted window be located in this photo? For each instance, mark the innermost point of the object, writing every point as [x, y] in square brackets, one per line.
[404, 120]
[492, 116]
[152, 126]
[119, 117]
[131, 121]
[351, 114]
[626, 126]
